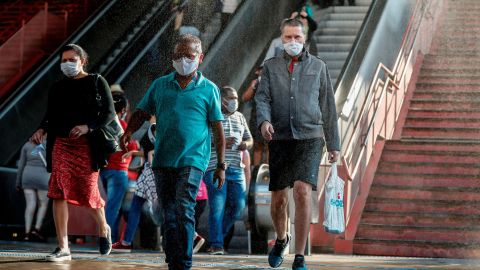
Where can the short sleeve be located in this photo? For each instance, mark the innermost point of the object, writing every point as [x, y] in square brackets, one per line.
[214, 108]
[147, 104]
[133, 146]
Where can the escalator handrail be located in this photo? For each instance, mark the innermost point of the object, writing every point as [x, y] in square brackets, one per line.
[150, 44]
[358, 51]
[162, 11]
[45, 67]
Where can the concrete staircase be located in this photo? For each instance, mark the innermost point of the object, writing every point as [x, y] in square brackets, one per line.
[337, 29]
[425, 199]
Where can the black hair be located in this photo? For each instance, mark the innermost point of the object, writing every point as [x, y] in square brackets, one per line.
[78, 50]
[119, 101]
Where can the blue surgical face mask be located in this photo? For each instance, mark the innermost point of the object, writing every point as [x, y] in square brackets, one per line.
[185, 66]
[230, 105]
[293, 48]
[70, 69]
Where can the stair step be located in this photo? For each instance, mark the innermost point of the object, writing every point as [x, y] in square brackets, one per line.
[429, 168]
[427, 193]
[332, 47]
[336, 31]
[335, 56]
[452, 134]
[347, 16]
[444, 104]
[341, 24]
[418, 205]
[419, 219]
[335, 64]
[430, 156]
[336, 39]
[350, 9]
[466, 235]
[334, 73]
[447, 87]
[446, 95]
[439, 123]
[441, 133]
[427, 180]
[443, 113]
[451, 147]
[448, 79]
[415, 248]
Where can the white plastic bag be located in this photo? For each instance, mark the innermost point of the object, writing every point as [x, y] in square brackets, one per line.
[334, 221]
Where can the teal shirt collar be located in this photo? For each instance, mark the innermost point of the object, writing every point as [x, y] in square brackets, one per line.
[199, 80]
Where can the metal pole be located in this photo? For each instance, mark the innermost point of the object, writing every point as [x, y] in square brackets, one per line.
[22, 37]
[65, 28]
[45, 26]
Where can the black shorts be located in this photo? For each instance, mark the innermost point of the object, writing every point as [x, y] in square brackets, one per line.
[293, 160]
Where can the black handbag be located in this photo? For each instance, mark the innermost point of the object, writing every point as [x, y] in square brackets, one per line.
[107, 137]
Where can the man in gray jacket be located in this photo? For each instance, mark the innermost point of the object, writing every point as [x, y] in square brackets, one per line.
[296, 113]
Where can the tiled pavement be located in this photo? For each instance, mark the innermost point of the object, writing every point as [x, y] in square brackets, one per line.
[21, 256]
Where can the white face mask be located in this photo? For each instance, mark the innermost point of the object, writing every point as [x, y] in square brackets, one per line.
[231, 105]
[185, 66]
[70, 69]
[293, 48]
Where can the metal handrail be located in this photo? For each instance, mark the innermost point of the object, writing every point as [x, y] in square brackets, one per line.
[361, 141]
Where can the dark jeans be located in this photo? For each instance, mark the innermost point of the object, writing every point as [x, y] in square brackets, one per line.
[177, 189]
[199, 209]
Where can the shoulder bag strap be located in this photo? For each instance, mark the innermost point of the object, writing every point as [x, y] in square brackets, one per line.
[98, 97]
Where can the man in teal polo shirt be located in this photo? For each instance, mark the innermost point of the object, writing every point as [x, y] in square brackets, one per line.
[185, 105]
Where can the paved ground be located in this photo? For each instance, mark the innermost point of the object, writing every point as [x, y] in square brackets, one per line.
[21, 256]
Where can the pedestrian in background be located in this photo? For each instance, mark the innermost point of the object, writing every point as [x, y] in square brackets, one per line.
[32, 178]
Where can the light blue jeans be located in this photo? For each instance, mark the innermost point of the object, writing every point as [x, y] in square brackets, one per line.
[177, 190]
[115, 183]
[226, 204]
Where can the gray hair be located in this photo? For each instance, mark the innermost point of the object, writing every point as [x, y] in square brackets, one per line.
[190, 39]
[293, 22]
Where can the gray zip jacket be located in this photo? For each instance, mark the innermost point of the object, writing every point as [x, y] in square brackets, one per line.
[300, 105]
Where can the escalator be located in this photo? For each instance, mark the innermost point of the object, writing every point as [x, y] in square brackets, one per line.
[111, 36]
[130, 43]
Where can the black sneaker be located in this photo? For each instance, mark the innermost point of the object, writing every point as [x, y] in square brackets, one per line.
[58, 255]
[299, 264]
[275, 257]
[105, 243]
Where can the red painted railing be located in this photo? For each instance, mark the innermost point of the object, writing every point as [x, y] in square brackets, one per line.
[39, 27]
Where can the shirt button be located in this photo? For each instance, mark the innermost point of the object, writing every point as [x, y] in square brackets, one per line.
[291, 97]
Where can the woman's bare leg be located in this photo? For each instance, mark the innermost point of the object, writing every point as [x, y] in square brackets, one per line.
[60, 215]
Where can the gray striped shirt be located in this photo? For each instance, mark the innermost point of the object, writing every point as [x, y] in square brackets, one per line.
[234, 126]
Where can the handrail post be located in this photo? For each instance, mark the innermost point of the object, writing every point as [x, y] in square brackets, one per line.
[22, 45]
[65, 27]
[45, 26]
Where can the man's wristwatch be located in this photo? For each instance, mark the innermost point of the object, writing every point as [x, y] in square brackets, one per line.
[222, 165]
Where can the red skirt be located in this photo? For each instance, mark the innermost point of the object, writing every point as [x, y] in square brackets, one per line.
[72, 177]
